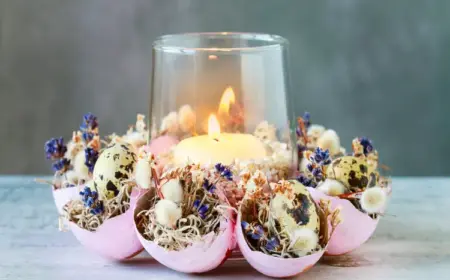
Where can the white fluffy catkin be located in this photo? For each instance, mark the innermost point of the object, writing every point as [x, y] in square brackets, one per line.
[331, 187]
[172, 190]
[373, 200]
[167, 213]
[303, 241]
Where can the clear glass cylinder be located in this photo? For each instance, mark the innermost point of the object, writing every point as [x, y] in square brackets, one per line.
[236, 81]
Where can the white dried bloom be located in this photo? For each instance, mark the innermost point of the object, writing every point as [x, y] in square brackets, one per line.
[167, 213]
[172, 190]
[135, 139]
[170, 123]
[197, 176]
[79, 165]
[303, 241]
[257, 181]
[143, 173]
[329, 140]
[186, 118]
[140, 123]
[332, 187]
[373, 200]
[74, 146]
[265, 131]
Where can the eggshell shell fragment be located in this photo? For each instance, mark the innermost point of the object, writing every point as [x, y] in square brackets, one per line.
[115, 238]
[355, 228]
[63, 196]
[201, 256]
[274, 266]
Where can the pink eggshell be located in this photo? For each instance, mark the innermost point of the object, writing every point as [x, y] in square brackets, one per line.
[355, 229]
[115, 238]
[161, 144]
[200, 257]
[63, 196]
[274, 266]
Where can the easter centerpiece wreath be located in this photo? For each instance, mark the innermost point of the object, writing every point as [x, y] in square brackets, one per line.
[351, 181]
[93, 186]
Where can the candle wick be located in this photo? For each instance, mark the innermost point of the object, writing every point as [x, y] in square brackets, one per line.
[215, 139]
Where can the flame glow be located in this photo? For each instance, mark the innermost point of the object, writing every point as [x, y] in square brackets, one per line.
[213, 127]
[227, 99]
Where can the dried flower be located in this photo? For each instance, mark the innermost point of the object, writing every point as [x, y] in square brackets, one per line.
[88, 136]
[89, 122]
[55, 148]
[266, 131]
[224, 171]
[320, 157]
[210, 187]
[91, 157]
[255, 232]
[91, 200]
[273, 244]
[201, 209]
[61, 165]
[362, 145]
[306, 181]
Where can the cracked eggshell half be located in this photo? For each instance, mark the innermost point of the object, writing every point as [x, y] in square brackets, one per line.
[114, 239]
[355, 228]
[201, 256]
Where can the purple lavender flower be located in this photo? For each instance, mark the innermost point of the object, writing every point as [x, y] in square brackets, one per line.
[245, 226]
[55, 148]
[317, 173]
[91, 157]
[273, 244]
[320, 157]
[61, 165]
[367, 144]
[210, 187]
[89, 122]
[307, 182]
[90, 200]
[88, 136]
[201, 209]
[257, 232]
[224, 171]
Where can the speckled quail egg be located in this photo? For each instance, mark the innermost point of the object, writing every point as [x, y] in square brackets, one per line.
[297, 213]
[114, 164]
[349, 170]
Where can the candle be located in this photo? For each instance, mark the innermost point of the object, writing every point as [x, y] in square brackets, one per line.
[219, 147]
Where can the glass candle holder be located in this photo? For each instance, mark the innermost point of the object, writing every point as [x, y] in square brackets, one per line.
[222, 97]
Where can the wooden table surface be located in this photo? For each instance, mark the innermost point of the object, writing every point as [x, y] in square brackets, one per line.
[411, 242]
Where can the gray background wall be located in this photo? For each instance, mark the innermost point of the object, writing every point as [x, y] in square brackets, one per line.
[376, 68]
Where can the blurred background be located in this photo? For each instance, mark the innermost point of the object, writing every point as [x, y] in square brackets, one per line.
[374, 68]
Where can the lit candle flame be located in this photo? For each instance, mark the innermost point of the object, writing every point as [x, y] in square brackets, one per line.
[227, 99]
[213, 127]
